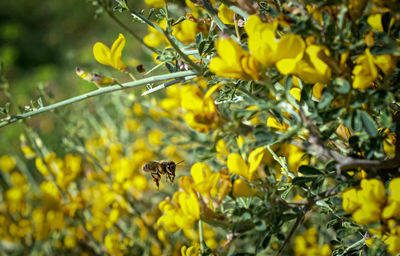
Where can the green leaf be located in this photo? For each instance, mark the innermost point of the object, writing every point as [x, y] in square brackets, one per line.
[7, 109]
[308, 170]
[326, 100]
[356, 121]
[302, 180]
[260, 225]
[40, 102]
[266, 241]
[368, 123]
[263, 136]
[342, 85]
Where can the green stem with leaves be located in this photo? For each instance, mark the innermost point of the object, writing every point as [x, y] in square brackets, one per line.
[105, 90]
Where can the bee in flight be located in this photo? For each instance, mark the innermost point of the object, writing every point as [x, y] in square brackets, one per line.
[157, 169]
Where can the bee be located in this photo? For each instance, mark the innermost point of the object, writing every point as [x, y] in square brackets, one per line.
[157, 169]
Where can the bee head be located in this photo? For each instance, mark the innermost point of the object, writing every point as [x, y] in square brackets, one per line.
[171, 166]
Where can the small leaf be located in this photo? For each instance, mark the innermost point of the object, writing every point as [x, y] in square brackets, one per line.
[40, 102]
[308, 170]
[301, 180]
[260, 225]
[343, 86]
[356, 122]
[152, 10]
[266, 241]
[326, 100]
[386, 17]
[7, 109]
[368, 124]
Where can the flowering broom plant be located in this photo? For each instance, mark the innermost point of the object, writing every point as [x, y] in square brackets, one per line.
[286, 115]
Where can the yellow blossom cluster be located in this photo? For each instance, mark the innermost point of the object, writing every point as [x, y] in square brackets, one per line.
[307, 244]
[371, 204]
[198, 193]
[196, 108]
[289, 54]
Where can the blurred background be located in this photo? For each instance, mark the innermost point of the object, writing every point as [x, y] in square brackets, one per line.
[41, 44]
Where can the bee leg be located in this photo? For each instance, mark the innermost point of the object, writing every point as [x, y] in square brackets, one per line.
[156, 178]
[171, 177]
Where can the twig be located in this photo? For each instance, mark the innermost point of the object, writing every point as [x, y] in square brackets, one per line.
[97, 92]
[186, 58]
[299, 220]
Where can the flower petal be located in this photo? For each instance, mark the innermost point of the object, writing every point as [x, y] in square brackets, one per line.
[116, 52]
[102, 53]
[254, 160]
[237, 165]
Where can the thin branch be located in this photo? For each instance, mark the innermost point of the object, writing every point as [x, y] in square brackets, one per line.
[105, 90]
[182, 55]
[299, 220]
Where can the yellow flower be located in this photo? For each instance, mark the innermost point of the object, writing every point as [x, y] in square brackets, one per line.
[242, 189]
[182, 213]
[273, 123]
[307, 244]
[7, 163]
[189, 207]
[191, 251]
[114, 244]
[238, 166]
[394, 190]
[111, 57]
[312, 69]
[389, 145]
[201, 112]
[366, 203]
[155, 137]
[267, 49]
[393, 243]
[366, 69]
[350, 201]
[295, 156]
[233, 61]
[372, 190]
[155, 38]
[391, 210]
[155, 3]
[168, 219]
[185, 31]
[240, 142]
[226, 14]
[204, 180]
[317, 90]
[375, 21]
[296, 93]
[221, 147]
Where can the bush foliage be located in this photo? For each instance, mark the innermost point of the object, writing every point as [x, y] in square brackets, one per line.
[282, 117]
